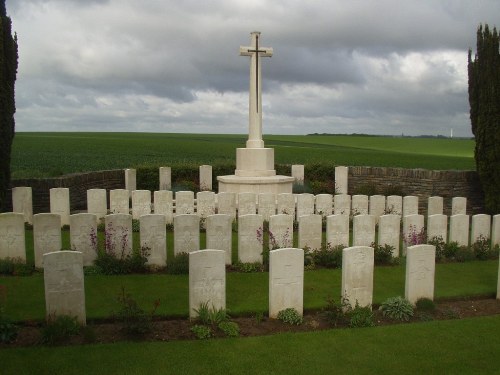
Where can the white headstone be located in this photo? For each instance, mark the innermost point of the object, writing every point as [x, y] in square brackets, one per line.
[46, 235]
[130, 180]
[298, 173]
[165, 178]
[394, 205]
[435, 206]
[163, 205]
[286, 280]
[363, 230]
[226, 202]
[250, 238]
[280, 231]
[413, 231]
[459, 229]
[205, 204]
[420, 270]
[388, 232]
[247, 204]
[342, 204]
[305, 205]
[118, 234]
[97, 203]
[310, 232]
[377, 206]
[341, 175]
[59, 204]
[12, 236]
[267, 205]
[83, 236]
[205, 177]
[22, 202]
[64, 285]
[207, 280]
[410, 205]
[141, 203]
[495, 231]
[480, 227]
[186, 233]
[184, 203]
[219, 234]
[357, 275]
[119, 201]
[359, 205]
[437, 227]
[337, 230]
[324, 204]
[286, 204]
[458, 206]
[154, 237]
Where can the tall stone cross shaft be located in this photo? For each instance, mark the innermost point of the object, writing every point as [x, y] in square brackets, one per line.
[255, 110]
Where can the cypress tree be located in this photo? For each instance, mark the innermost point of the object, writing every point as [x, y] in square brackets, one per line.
[8, 73]
[484, 100]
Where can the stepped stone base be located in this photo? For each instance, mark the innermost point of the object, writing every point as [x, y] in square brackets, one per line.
[270, 184]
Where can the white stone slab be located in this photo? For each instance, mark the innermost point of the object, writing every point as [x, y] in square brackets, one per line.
[219, 234]
[337, 230]
[266, 205]
[286, 204]
[480, 227]
[377, 206]
[324, 204]
[184, 203]
[394, 205]
[141, 203]
[119, 201]
[280, 231]
[435, 206]
[413, 226]
[12, 236]
[389, 232]
[410, 205]
[97, 203]
[205, 177]
[64, 285]
[495, 231]
[286, 280]
[341, 178]
[165, 178]
[247, 204]
[357, 275]
[437, 227]
[59, 204]
[46, 235]
[305, 205]
[164, 205]
[310, 232]
[130, 180]
[298, 173]
[226, 203]
[186, 233]
[459, 229]
[205, 204]
[154, 237]
[250, 228]
[118, 234]
[22, 202]
[363, 230]
[207, 280]
[458, 206]
[420, 271]
[359, 205]
[342, 204]
[83, 236]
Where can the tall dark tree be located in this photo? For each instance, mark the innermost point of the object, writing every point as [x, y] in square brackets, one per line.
[484, 99]
[8, 73]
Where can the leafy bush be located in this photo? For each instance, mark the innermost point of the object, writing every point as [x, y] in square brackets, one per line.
[179, 265]
[361, 317]
[464, 254]
[425, 304]
[213, 318]
[397, 308]
[415, 237]
[211, 315]
[230, 329]
[248, 267]
[328, 256]
[135, 321]
[481, 248]
[108, 263]
[335, 312]
[383, 254]
[440, 246]
[201, 332]
[290, 316]
[59, 329]
[15, 267]
[450, 249]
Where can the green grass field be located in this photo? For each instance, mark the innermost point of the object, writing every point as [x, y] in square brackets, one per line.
[52, 154]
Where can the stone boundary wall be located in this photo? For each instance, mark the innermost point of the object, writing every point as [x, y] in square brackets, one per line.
[78, 184]
[424, 184]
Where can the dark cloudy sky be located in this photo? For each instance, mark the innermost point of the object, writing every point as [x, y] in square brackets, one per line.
[373, 66]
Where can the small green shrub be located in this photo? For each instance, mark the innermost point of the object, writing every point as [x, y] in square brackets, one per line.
[481, 248]
[328, 256]
[397, 308]
[248, 267]
[108, 263]
[335, 312]
[361, 317]
[135, 321]
[383, 254]
[425, 304]
[450, 249]
[259, 317]
[440, 245]
[290, 316]
[230, 329]
[464, 254]
[15, 267]
[179, 265]
[59, 329]
[201, 332]
[393, 190]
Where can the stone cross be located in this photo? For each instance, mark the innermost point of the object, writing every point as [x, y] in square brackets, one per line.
[255, 51]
